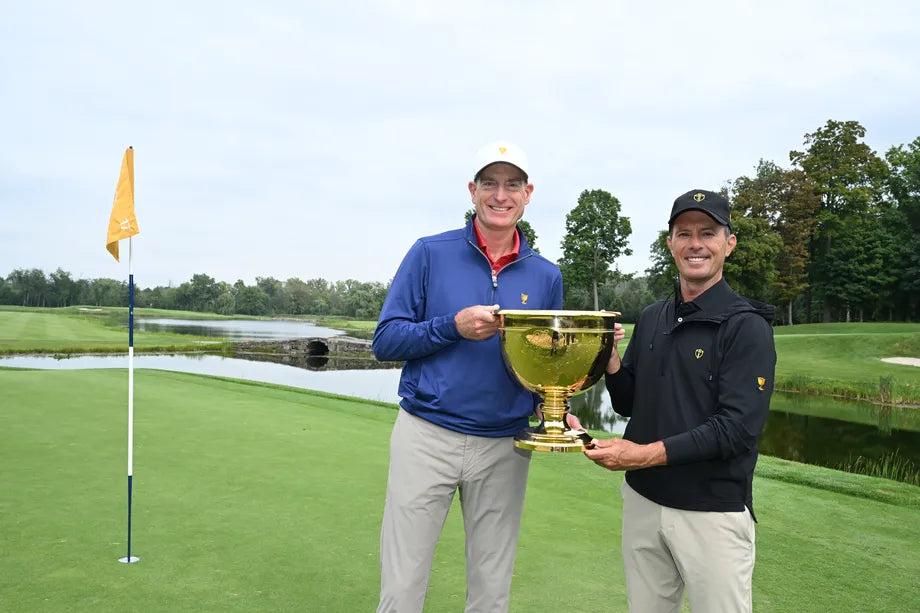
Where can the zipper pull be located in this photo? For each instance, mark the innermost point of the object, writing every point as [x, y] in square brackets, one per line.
[494, 280]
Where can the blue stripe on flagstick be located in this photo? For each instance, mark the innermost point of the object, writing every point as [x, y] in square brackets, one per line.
[130, 344]
[129, 519]
[130, 310]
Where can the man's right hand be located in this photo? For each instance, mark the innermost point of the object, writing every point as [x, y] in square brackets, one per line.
[477, 322]
[613, 365]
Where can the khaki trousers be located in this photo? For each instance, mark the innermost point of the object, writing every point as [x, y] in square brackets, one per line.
[428, 464]
[665, 550]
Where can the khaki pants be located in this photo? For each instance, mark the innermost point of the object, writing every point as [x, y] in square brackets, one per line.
[427, 465]
[666, 550]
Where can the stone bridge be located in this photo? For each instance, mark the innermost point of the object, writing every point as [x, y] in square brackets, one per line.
[333, 353]
[317, 346]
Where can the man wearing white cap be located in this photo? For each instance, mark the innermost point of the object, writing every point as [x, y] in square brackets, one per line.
[460, 408]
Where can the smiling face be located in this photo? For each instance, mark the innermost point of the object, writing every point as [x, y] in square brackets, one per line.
[699, 245]
[499, 196]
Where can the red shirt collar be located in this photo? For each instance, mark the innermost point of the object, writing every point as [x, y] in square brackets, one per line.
[505, 259]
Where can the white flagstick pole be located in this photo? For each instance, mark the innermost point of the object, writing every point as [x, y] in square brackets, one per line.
[128, 559]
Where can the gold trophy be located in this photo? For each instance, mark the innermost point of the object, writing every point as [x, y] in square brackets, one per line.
[556, 354]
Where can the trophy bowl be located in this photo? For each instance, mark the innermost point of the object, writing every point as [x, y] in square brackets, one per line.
[556, 354]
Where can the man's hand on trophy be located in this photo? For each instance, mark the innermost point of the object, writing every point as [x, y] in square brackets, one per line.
[620, 454]
[477, 322]
[571, 421]
[613, 365]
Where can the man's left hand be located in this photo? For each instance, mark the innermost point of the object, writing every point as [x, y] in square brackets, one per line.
[620, 454]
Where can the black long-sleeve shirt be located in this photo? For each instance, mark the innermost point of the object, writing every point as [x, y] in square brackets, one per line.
[698, 376]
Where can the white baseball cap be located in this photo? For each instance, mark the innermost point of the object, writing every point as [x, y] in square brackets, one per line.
[501, 151]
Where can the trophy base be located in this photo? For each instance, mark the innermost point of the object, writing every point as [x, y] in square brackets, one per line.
[566, 442]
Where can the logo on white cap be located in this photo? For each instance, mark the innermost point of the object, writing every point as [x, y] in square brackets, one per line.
[501, 151]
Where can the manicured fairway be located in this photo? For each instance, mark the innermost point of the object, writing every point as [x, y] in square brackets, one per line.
[73, 330]
[252, 497]
[846, 360]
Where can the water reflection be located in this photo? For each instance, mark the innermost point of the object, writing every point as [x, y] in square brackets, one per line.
[834, 432]
[255, 329]
[322, 361]
[372, 384]
[594, 411]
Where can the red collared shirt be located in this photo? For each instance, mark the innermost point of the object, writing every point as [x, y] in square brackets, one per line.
[505, 259]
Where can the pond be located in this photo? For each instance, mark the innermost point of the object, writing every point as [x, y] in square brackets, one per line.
[811, 429]
[234, 329]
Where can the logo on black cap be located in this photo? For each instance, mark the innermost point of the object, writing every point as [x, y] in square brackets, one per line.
[712, 203]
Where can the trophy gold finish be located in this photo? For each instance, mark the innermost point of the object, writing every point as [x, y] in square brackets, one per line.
[556, 354]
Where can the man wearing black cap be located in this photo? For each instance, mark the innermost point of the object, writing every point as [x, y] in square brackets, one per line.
[695, 381]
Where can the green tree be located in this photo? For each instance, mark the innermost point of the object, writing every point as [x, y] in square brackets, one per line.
[199, 294]
[320, 297]
[628, 296]
[28, 287]
[596, 235]
[522, 224]
[850, 179]
[903, 225]
[856, 265]
[275, 291]
[82, 292]
[363, 300]
[296, 297]
[225, 303]
[109, 292]
[662, 274]
[62, 288]
[797, 204]
[252, 300]
[751, 267]
[160, 297]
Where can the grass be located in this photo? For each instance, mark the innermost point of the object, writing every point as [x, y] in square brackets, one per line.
[254, 497]
[344, 323]
[71, 330]
[845, 360]
[891, 466]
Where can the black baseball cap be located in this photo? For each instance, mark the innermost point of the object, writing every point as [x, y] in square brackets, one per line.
[713, 204]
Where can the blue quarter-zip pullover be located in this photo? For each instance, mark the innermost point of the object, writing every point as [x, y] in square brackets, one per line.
[456, 383]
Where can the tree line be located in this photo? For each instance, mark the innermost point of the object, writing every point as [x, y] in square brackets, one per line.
[833, 237]
[269, 296]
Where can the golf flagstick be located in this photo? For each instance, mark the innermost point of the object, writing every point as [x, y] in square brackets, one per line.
[128, 557]
[123, 224]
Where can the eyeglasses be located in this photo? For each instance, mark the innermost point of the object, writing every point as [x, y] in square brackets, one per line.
[515, 185]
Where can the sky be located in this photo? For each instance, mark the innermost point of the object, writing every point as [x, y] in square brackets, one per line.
[321, 139]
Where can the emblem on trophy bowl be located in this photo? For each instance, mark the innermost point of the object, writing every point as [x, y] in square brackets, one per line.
[556, 354]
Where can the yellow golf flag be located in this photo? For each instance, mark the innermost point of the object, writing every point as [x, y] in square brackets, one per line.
[122, 222]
